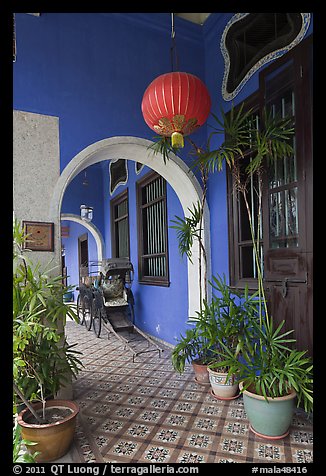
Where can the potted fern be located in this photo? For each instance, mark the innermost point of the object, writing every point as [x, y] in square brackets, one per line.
[43, 361]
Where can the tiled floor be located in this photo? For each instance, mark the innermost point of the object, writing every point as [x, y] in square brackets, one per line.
[145, 412]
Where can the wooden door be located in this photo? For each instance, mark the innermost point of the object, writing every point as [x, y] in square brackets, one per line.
[83, 256]
[286, 87]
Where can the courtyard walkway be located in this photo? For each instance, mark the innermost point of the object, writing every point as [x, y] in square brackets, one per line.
[144, 412]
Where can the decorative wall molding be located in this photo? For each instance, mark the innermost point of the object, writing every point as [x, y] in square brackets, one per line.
[138, 167]
[118, 173]
[272, 55]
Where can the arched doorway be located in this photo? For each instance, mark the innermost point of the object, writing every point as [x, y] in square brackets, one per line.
[91, 228]
[175, 172]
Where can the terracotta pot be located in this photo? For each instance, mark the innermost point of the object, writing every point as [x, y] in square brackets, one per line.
[54, 439]
[269, 419]
[201, 373]
[223, 388]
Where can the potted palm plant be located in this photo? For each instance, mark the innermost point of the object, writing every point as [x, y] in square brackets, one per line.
[193, 347]
[272, 375]
[43, 361]
[223, 320]
[271, 365]
[271, 372]
[233, 312]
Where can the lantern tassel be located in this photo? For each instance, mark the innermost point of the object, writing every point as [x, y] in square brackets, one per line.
[177, 141]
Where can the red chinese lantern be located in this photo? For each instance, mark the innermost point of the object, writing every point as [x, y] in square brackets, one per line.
[176, 104]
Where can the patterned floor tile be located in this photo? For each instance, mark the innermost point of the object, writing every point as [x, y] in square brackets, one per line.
[232, 445]
[181, 407]
[123, 448]
[301, 437]
[205, 424]
[145, 412]
[302, 456]
[270, 452]
[168, 435]
[191, 457]
[210, 410]
[156, 454]
[139, 430]
[199, 441]
[236, 428]
[175, 419]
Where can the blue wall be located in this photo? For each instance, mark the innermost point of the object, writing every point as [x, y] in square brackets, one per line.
[91, 70]
[77, 194]
[167, 321]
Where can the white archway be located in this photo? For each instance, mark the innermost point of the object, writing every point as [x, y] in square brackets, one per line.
[91, 228]
[175, 172]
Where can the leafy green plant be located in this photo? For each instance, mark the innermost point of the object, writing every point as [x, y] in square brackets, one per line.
[190, 229]
[196, 344]
[163, 146]
[266, 144]
[269, 364]
[270, 367]
[233, 312]
[43, 361]
[224, 321]
[20, 454]
[188, 348]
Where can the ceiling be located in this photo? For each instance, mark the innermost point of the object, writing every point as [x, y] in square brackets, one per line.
[198, 18]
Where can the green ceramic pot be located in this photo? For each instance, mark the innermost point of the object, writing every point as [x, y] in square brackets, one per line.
[269, 419]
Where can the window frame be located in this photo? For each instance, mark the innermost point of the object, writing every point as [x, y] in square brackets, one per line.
[234, 217]
[114, 202]
[257, 101]
[142, 277]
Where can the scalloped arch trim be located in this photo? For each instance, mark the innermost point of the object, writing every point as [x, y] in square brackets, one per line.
[227, 93]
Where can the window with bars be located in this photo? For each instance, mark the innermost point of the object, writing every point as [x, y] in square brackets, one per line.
[120, 226]
[242, 263]
[282, 174]
[152, 231]
[280, 191]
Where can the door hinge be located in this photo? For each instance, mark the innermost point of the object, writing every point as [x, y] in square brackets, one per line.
[301, 71]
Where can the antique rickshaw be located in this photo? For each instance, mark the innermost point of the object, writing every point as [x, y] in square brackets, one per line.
[106, 300]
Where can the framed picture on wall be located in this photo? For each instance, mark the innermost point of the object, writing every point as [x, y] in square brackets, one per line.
[40, 235]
